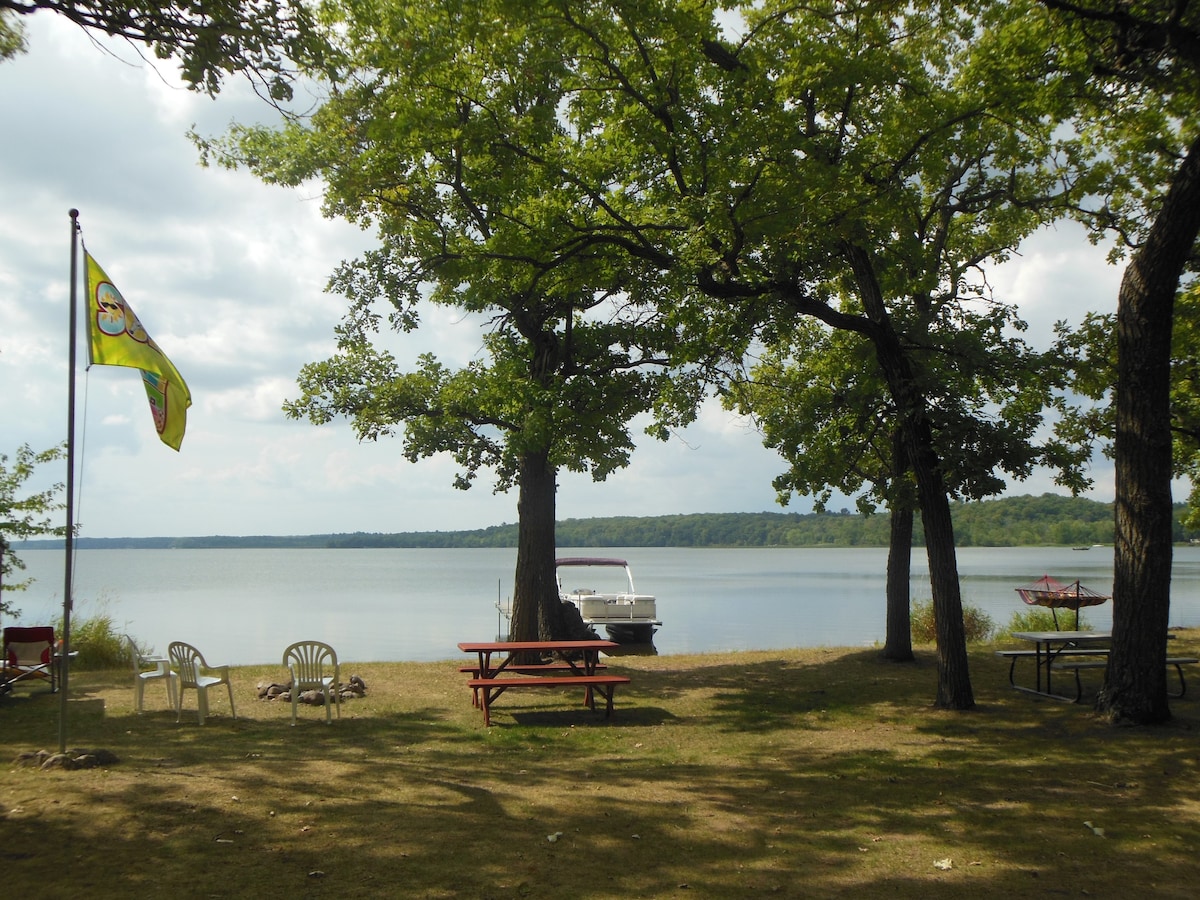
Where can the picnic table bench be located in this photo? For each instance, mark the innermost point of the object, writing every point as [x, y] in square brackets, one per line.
[488, 689]
[1014, 655]
[572, 664]
[1074, 664]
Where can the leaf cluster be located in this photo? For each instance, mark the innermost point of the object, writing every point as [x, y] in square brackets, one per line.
[262, 39]
[24, 515]
[1185, 394]
[929, 171]
[1140, 109]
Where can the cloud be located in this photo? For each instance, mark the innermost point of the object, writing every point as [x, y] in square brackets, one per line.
[1057, 275]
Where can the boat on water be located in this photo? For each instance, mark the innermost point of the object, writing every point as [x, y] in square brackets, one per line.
[610, 601]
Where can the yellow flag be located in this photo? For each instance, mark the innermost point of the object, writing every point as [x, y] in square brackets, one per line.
[117, 338]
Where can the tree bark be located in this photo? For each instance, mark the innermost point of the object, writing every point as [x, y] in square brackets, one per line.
[898, 643]
[1135, 688]
[954, 677]
[536, 609]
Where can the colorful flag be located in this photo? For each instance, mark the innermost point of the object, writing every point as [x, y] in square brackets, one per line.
[117, 338]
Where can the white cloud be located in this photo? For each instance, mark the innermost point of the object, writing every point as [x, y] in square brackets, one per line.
[261, 401]
[1057, 275]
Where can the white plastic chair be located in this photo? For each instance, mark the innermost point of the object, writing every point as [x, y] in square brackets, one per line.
[142, 674]
[309, 663]
[195, 673]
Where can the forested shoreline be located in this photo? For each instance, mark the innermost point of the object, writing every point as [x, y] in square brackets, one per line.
[1046, 520]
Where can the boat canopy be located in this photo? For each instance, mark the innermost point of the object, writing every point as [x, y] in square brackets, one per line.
[589, 561]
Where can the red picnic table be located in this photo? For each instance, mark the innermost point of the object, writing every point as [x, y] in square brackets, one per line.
[573, 664]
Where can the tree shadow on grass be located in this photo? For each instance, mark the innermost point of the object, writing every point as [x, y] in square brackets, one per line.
[782, 693]
[639, 716]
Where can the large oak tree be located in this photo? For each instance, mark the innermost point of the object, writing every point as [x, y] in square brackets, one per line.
[856, 164]
[443, 131]
[1144, 112]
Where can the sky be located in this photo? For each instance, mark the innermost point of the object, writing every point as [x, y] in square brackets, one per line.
[228, 276]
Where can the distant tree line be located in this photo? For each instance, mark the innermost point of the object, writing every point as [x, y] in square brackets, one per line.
[1048, 520]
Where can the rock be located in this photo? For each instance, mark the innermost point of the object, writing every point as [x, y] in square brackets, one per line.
[31, 758]
[60, 761]
[355, 688]
[101, 756]
[76, 758]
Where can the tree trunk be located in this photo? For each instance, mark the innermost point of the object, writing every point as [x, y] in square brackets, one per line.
[954, 678]
[1135, 688]
[536, 610]
[898, 645]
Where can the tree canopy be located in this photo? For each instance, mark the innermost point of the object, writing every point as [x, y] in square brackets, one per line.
[262, 39]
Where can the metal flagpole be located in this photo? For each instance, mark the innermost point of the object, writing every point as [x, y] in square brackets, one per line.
[69, 544]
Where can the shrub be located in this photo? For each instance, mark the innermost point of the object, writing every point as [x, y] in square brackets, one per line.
[977, 624]
[1039, 618]
[96, 643]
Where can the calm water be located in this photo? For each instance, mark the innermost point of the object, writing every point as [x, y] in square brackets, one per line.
[245, 606]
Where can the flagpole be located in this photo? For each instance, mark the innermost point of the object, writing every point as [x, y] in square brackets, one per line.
[64, 661]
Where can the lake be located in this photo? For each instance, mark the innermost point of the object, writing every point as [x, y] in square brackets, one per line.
[244, 606]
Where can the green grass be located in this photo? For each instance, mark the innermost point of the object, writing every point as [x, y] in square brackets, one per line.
[808, 773]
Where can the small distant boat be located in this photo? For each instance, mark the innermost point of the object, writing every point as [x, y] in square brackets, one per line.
[626, 616]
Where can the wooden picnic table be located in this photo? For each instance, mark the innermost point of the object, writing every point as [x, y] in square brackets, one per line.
[1071, 650]
[574, 664]
[588, 653]
[1049, 646]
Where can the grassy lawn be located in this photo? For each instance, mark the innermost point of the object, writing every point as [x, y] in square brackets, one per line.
[807, 773]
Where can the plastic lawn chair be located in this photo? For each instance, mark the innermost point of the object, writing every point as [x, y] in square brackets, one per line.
[314, 667]
[194, 673]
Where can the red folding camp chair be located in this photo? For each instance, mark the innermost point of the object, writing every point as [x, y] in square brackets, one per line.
[28, 653]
